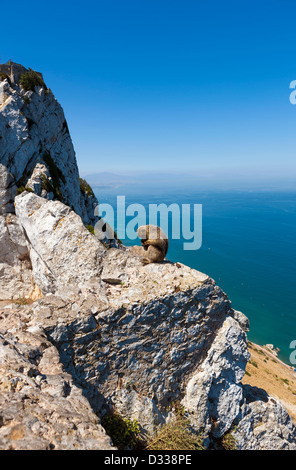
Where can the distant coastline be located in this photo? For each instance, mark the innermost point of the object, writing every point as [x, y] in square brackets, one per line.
[203, 180]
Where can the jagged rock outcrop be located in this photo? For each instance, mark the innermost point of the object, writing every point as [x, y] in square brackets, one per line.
[263, 423]
[62, 250]
[17, 280]
[101, 330]
[40, 406]
[165, 334]
[36, 154]
[36, 149]
[143, 317]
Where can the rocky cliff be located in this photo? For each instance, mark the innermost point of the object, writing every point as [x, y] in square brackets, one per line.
[36, 154]
[94, 330]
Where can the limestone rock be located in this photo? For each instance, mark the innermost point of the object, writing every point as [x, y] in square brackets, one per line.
[146, 337]
[165, 334]
[17, 279]
[242, 320]
[41, 408]
[7, 191]
[263, 423]
[272, 349]
[36, 149]
[214, 392]
[36, 181]
[62, 250]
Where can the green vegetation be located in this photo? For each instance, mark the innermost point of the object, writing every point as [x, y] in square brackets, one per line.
[46, 184]
[91, 229]
[85, 187]
[228, 442]
[26, 99]
[23, 301]
[4, 76]
[285, 381]
[54, 170]
[21, 189]
[254, 363]
[51, 188]
[125, 433]
[176, 435]
[21, 183]
[30, 80]
[56, 177]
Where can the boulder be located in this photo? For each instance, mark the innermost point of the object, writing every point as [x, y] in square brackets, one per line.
[41, 407]
[17, 280]
[62, 251]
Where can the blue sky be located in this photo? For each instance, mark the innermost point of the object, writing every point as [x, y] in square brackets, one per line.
[195, 86]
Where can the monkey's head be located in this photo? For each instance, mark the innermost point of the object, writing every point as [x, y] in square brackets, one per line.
[142, 232]
[151, 232]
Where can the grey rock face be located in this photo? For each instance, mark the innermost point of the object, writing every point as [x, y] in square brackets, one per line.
[7, 191]
[36, 154]
[214, 392]
[40, 406]
[263, 423]
[36, 150]
[165, 334]
[17, 279]
[135, 345]
[62, 251]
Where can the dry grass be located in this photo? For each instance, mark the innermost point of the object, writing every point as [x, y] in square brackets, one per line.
[175, 435]
[266, 371]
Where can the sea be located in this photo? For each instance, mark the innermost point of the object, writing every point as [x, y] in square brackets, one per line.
[248, 247]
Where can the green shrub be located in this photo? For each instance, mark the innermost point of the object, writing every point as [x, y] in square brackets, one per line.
[253, 363]
[54, 170]
[228, 442]
[91, 229]
[85, 188]
[26, 99]
[56, 177]
[30, 80]
[176, 435]
[285, 381]
[124, 432]
[21, 189]
[4, 76]
[50, 187]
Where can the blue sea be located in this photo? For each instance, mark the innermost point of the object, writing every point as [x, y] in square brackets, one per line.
[248, 247]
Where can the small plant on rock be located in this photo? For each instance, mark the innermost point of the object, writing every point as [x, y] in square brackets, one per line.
[124, 432]
[30, 80]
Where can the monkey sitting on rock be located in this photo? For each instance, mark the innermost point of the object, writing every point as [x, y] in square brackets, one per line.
[155, 243]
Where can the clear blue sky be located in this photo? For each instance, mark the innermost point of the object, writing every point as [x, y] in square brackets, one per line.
[190, 85]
